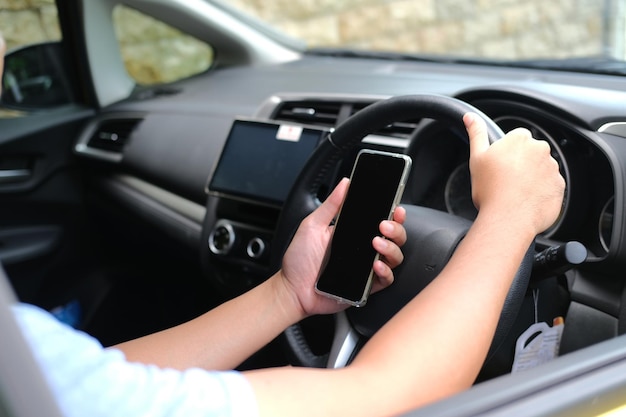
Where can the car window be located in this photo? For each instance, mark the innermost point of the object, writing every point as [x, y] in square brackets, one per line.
[37, 77]
[156, 53]
[24, 25]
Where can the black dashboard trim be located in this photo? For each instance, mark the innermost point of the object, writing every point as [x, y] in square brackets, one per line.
[179, 218]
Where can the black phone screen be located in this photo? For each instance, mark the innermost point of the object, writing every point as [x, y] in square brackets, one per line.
[376, 184]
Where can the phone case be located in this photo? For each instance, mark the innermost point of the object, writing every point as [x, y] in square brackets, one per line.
[385, 193]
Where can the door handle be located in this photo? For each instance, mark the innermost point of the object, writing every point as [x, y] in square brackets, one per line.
[18, 244]
[9, 176]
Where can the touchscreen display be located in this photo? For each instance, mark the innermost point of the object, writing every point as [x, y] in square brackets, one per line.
[261, 160]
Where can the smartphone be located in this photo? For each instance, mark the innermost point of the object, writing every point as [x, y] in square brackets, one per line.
[376, 185]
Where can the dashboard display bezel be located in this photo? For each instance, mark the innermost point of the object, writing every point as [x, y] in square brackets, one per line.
[254, 178]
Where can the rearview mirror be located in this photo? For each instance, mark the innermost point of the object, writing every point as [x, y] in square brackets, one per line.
[36, 77]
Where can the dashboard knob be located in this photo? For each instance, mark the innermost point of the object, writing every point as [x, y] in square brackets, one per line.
[255, 248]
[222, 238]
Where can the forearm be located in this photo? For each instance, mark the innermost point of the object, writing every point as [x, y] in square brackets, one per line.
[452, 322]
[436, 344]
[433, 347]
[221, 338]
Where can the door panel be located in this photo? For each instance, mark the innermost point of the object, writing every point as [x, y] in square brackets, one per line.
[43, 232]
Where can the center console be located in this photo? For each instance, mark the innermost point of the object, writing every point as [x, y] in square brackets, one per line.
[258, 165]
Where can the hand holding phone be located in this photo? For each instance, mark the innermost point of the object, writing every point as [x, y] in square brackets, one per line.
[376, 185]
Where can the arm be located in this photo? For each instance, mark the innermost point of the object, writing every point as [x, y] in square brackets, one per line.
[436, 345]
[225, 336]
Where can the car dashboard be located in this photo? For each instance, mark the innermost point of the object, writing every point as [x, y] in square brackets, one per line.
[166, 146]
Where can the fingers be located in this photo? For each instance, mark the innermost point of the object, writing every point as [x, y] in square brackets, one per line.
[477, 131]
[516, 174]
[395, 237]
[390, 253]
[389, 249]
[325, 213]
[390, 257]
[399, 214]
[393, 230]
[384, 276]
[523, 133]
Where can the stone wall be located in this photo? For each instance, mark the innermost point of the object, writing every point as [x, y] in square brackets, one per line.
[24, 22]
[492, 28]
[156, 53]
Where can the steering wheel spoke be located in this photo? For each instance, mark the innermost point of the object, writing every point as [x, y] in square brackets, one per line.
[345, 342]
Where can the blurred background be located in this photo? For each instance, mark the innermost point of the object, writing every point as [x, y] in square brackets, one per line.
[496, 29]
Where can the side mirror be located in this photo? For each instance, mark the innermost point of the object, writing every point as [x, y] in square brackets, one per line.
[36, 77]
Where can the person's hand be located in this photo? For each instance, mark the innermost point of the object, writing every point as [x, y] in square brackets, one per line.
[515, 177]
[303, 258]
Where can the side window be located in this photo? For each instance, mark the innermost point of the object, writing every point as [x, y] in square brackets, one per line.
[35, 76]
[25, 23]
[156, 53]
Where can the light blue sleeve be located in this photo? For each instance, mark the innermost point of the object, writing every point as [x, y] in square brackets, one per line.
[89, 380]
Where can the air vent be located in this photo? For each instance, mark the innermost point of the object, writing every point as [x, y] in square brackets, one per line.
[317, 113]
[332, 113]
[112, 135]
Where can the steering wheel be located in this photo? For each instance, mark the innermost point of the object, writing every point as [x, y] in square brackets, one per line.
[432, 235]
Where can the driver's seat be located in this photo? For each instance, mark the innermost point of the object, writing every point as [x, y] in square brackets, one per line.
[23, 390]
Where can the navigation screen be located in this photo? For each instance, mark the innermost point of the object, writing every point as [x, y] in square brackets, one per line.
[261, 160]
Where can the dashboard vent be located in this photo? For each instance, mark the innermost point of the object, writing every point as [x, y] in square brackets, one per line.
[112, 135]
[332, 113]
[317, 113]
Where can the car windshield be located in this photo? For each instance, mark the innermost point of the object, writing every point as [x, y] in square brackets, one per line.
[577, 35]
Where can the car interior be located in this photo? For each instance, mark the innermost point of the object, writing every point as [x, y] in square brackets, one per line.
[128, 208]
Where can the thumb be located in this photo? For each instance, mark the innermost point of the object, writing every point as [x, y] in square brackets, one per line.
[477, 131]
[330, 207]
